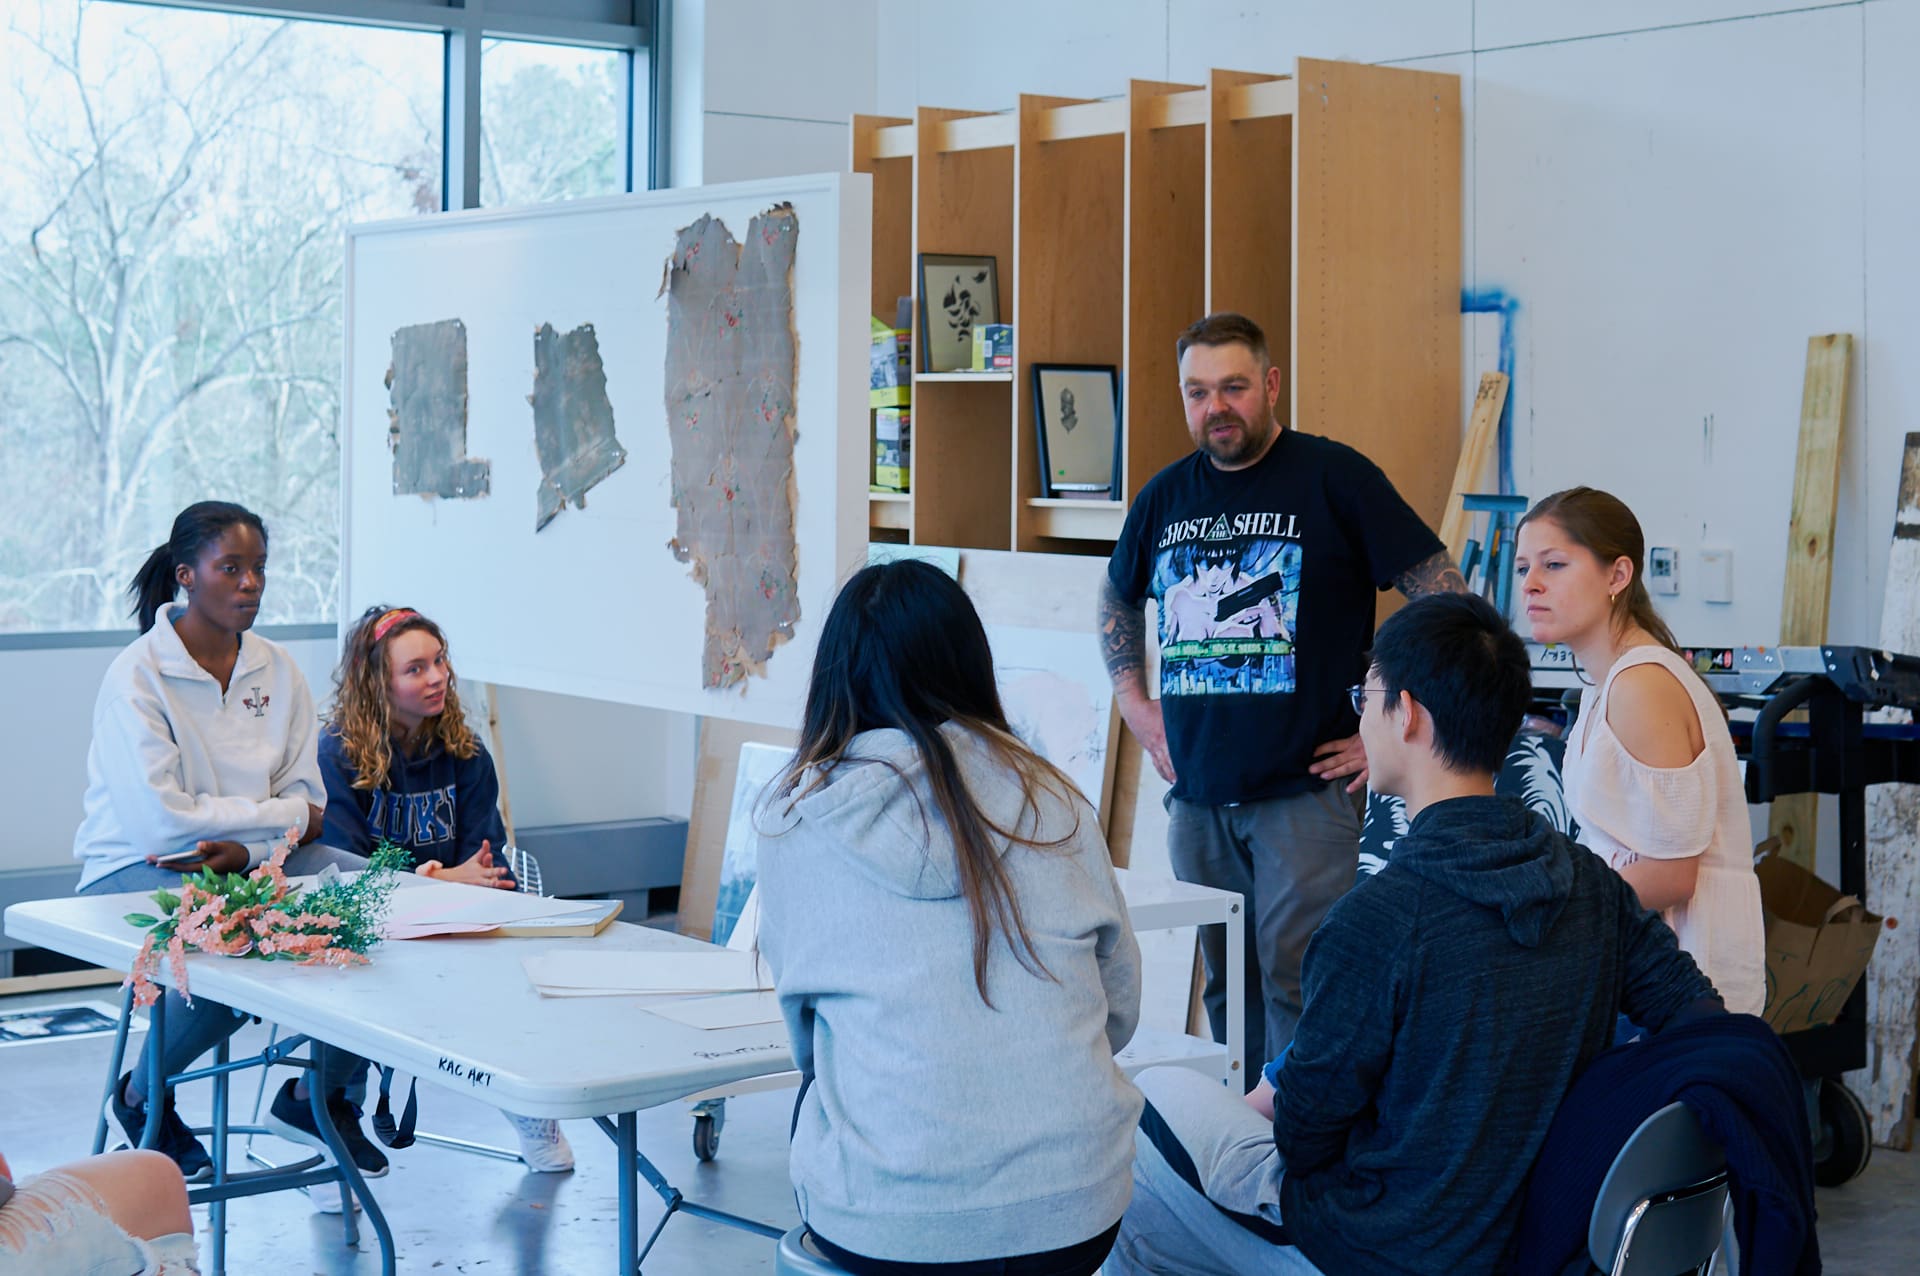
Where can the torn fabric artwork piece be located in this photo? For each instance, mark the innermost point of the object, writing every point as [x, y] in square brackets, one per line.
[427, 419]
[572, 419]
[732, 359]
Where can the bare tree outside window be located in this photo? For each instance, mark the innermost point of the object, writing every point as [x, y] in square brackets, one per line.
[176, 188]
[170, 283]
[549, 122]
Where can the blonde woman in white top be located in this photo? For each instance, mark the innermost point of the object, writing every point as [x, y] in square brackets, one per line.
[1650, 770]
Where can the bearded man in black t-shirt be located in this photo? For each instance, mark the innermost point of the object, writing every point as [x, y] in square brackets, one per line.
[1264, 551]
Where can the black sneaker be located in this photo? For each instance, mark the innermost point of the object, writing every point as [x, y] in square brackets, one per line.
[292, 1119]
[176, 1140]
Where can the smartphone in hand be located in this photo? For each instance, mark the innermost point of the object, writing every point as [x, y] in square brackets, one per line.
[182, 861]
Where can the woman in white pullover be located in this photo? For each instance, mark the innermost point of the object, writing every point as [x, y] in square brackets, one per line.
[203, 753]
[952, 956]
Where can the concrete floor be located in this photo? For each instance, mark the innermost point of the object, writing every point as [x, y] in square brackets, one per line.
[455, 1212]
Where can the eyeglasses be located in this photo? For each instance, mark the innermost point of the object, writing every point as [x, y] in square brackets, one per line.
[1357, 696]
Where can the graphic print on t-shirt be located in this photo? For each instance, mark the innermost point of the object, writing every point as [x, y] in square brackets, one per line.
[1229, 592]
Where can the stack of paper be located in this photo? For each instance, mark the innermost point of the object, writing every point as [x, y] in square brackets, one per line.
[586, 973]
[589, 917]
[455, 908]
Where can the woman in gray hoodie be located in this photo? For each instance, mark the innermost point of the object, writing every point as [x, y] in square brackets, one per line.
[952, 955]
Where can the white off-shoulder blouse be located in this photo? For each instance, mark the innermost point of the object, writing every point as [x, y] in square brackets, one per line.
[1628, 810]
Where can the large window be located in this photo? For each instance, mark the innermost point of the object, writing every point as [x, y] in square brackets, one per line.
[549, 122]
[177, 182]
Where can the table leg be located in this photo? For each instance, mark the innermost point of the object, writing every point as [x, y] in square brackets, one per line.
[217, 1211]
[1237, 1071]
[156, 1072]
[627, 1145]
[323, 1121]
[114, 1061]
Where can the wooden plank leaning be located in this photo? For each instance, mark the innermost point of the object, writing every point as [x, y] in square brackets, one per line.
[1804, 602]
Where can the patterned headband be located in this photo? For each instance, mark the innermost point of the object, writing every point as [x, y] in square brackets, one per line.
[392, 618]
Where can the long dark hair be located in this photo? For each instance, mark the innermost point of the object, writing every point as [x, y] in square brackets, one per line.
[902, 647]
[1601, 523]
[194, 528]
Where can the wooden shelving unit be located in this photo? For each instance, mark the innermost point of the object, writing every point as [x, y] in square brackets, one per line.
[1325, 204]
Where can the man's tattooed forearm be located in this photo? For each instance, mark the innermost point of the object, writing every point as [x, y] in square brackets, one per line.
[1436, 575]
[1122, 635]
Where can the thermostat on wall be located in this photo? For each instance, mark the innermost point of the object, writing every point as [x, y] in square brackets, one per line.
[1663, 569]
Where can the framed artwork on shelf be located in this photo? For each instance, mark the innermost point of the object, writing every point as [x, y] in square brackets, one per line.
[958, 292]
[1076, 417]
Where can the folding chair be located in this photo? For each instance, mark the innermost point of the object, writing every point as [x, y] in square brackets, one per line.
[1662, 1206]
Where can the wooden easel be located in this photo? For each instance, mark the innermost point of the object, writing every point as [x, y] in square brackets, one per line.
[1483, 430]
[496, 744]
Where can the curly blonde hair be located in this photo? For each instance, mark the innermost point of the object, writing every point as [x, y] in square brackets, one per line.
[362, 706]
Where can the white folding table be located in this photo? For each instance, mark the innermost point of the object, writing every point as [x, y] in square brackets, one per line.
[458, 1013]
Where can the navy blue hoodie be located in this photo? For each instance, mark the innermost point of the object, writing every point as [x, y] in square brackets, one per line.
[437, 806]
[1450, 1001]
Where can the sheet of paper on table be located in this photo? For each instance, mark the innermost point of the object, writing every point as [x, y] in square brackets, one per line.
[623, 974]
[730, 1010]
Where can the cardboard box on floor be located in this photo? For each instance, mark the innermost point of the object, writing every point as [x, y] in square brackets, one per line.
[1818, 943]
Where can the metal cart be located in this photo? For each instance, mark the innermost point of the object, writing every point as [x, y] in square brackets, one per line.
[1834, 750]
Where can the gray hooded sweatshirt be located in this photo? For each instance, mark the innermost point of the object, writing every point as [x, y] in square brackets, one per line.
[938, 1128]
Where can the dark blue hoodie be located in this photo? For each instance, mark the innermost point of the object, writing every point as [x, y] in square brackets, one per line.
[437, 806]
[1450, 1001]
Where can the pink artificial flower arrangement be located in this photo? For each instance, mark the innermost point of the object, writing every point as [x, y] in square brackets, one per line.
[260, 915]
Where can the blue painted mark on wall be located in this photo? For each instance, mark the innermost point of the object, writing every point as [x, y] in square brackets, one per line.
[1494, 301]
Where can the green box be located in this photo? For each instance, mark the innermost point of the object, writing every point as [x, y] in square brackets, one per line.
[889, 379]
[892, 449]
[993, 347]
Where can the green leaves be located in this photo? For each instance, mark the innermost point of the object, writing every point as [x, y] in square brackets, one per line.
[142, 920]
[168, 902]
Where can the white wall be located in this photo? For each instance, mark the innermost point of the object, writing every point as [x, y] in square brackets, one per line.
[777, 85]
[1676, 192]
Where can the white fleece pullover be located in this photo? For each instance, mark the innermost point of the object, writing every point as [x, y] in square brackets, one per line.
[174, 760]
[939, 1128]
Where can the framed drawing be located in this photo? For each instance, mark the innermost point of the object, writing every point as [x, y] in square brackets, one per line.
[1076, 416]
[957, 292]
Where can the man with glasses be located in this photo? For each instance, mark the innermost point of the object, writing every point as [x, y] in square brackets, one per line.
[1265, 550]
[1450, 1001]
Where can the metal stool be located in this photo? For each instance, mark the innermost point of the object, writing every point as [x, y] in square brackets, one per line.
[799, 1257]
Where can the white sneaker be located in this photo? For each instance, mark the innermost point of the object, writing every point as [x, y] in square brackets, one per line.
[326, 1197]
[542, 1146]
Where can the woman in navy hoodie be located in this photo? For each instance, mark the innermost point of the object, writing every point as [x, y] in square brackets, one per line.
[400, 763]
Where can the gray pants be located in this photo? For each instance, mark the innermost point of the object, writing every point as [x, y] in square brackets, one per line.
[1290, 858]
[193, 1030]
[1170, 1226]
